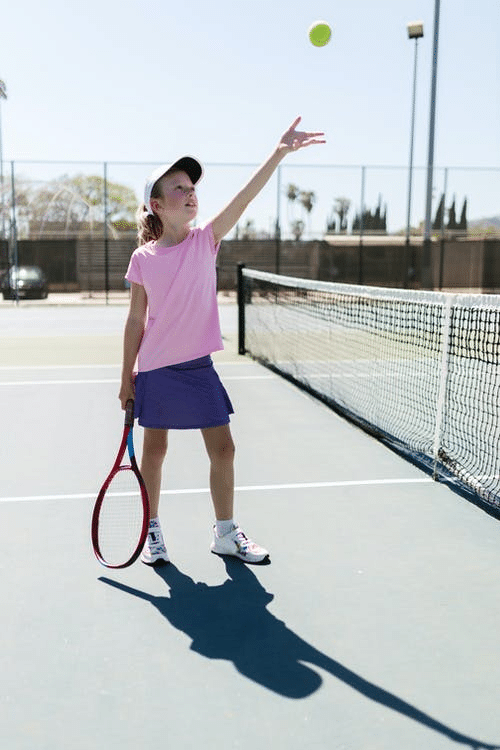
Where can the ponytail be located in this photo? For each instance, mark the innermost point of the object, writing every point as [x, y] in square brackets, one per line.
[149, 226]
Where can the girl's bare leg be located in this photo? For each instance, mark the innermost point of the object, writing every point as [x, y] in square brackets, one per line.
[220, 449]
[153, 454]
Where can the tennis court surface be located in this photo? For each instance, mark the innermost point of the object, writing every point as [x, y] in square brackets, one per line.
[375, 626]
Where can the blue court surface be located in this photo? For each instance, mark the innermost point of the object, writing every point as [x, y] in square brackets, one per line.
[374, 628]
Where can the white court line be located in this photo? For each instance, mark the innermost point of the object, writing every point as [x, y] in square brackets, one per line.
[249, 377]
[117, 380]
[249, 488]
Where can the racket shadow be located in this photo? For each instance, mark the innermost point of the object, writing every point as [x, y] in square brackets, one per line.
[231, 622]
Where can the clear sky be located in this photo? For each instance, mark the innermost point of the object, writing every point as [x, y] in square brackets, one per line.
[131, 81]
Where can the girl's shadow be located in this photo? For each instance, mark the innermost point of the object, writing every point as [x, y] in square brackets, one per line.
[232, 622]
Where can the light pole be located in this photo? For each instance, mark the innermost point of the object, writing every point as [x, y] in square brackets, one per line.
[426, 270]
[416, 32]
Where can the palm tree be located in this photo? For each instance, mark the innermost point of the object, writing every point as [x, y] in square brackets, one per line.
[297, 229]
[308, 199]
[341, 208]
[292, 193]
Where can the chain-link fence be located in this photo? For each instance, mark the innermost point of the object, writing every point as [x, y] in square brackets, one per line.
[77, 220]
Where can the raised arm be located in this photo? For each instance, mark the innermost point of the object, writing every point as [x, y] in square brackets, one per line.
[291, 140]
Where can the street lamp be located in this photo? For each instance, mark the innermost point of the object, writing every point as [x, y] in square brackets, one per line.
[432, 128]
[416, 32]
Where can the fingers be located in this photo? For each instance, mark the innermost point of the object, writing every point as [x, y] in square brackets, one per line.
[125, 395]
[303, 134]
[306, 136]
[302, 143]
[294, 139]
[309, 141]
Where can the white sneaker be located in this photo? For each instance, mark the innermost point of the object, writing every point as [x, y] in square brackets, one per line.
[236, 543]
[154, 550]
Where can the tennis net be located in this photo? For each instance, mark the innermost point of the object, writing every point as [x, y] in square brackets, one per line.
[419, 370]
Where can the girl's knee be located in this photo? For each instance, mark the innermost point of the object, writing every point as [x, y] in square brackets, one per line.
[155, 444]
[228, 450]
[222, 451]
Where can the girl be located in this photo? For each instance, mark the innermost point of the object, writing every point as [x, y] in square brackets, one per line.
[172, 329]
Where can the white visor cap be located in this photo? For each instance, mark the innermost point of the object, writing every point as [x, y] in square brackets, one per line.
[187, 164]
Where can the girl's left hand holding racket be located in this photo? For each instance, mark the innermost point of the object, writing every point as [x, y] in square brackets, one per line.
[120, 521]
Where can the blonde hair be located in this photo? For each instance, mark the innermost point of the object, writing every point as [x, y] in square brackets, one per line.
[149, 226]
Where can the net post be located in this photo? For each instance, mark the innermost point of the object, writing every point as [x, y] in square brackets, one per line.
[443, 382]
[241, 309]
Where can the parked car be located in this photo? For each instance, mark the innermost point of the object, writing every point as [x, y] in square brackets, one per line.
[30, 281]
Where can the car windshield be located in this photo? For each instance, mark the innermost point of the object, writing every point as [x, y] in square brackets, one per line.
[25, 274]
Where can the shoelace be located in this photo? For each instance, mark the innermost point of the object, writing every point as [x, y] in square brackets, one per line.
[243, 541]
[155, 542]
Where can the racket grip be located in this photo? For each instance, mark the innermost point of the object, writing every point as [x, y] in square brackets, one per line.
[129, 413]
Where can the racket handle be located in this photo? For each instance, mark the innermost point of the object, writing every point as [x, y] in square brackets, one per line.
[129, 413]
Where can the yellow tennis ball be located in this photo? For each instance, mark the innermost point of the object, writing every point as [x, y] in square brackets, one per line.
[320, 33]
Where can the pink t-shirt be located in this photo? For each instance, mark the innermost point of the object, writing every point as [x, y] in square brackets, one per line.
[181, 287]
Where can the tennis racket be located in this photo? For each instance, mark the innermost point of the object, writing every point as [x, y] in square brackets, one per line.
[120, 521]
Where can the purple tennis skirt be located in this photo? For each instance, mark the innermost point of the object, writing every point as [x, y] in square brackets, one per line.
[187, 396]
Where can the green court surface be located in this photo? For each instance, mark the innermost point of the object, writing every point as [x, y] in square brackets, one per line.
[374, 628]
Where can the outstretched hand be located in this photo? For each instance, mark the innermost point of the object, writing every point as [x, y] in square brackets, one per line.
[294, 139]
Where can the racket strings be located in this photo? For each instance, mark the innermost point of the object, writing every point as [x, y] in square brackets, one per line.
[121, 518]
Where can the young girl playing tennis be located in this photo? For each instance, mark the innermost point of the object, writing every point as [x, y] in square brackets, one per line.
[172, 329]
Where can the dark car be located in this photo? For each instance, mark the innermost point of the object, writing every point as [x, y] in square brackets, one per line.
[30, 281]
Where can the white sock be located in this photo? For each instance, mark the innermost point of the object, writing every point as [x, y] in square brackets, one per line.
[224, 527]
[154, 521]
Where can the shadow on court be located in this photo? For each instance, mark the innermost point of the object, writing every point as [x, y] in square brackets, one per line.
[231, 622]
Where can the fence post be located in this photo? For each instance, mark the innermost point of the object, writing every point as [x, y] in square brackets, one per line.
[361, 226]
[442, 244]
[13, 257]
[241, 309]
[278, 223]
[106, 243]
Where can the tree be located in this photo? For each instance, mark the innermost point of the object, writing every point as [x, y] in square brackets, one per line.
[379, 218]
[462, 225]
[308, 199]
[375, 221]
[292, 193]
[452, 216]
[73, 203]
[438, 222]
[341, 208]
[383, 225]
[297, 227]
[248, 232]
